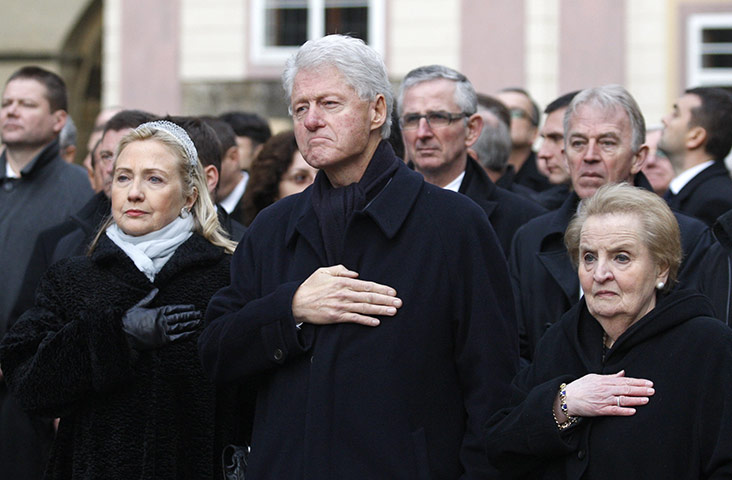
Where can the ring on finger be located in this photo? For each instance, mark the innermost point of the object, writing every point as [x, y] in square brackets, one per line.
[618, 399]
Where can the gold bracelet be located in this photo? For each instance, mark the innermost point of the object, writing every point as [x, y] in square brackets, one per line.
[563, 407]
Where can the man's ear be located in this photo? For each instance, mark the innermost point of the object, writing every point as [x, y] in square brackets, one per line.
[59, 120]
[378, 112]
[212, 180]
[639, 159]
[69, 153]
[474, 126]
[696, 137]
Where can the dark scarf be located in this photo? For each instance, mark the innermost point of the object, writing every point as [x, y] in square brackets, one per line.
[334, 207]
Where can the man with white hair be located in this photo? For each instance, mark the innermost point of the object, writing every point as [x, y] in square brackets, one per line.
[375, 322]
[604, 133]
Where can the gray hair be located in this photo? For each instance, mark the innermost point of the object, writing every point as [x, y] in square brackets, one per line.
[361, 66]
[67, 137]
[610, 97]
[465, 96]
[494, 145]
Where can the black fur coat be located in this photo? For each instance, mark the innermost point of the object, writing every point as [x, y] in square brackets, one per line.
[124, 414]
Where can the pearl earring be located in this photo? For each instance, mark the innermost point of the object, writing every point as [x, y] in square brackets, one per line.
[660, 285]
[184, 212]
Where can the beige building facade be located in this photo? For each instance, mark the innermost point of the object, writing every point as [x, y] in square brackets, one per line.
[210, 56]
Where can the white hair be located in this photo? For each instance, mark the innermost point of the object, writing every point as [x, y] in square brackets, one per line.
[361, 66]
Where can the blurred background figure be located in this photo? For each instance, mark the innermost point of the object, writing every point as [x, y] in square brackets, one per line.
[232, 179]
[38, 189]
[657, 168]
[494, 145]
[210, 154]
[94, 138]
[67, 140]
[696, 138]
[278, 171]
[550, 157]
[525, 119]
[251, 131]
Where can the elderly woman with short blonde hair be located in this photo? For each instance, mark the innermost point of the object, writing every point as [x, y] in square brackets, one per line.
[635, 381]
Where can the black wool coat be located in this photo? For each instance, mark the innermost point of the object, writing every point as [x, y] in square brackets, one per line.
[530, 176]
[545, 282]
[405, 400]
[124, 414]
[707, 196]
[507, 211]
[715, 276]
[67, 239]
[685, 430]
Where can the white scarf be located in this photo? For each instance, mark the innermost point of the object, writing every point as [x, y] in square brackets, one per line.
[151, 251]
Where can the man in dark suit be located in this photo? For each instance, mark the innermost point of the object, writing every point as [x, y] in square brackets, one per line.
[38, 189]
[604, 133]
[372, 312]
[696, 137]
[525, 120]
[439, 120]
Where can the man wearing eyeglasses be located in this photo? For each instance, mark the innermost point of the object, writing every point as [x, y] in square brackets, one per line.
[525, 119]
[439, 120]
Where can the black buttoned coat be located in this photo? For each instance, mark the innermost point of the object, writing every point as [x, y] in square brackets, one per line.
[715, 276]
[404, 400]
[707, 196]
[507, 211]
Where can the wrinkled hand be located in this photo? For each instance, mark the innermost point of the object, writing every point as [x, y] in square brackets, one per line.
[599, 395]
[151, 328]
[335, 295]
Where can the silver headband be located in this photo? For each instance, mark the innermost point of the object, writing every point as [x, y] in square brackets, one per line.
[179, 134]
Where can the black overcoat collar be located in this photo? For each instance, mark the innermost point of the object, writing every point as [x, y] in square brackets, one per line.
[389, 209]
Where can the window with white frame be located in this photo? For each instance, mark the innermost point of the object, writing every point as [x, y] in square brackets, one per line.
[280, 26]
[709, 50]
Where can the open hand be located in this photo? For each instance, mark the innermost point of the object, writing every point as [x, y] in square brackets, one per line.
[598, 395]
[336, 295]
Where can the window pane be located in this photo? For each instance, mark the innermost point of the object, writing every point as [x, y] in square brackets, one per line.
[346, 3]
[717, 61]
[717, 35]
[286, 23]
[351, 20]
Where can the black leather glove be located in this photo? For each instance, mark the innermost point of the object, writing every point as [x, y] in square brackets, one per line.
[151, 328]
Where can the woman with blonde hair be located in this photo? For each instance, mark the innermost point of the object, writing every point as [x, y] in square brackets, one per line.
[110, 346]
[635, 381]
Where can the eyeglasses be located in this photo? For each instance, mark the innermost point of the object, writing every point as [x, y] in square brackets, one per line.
[434, 119]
